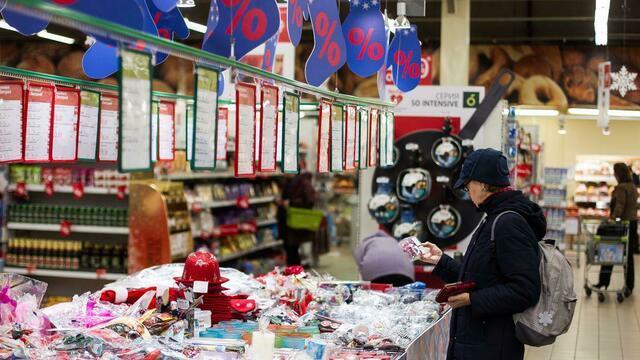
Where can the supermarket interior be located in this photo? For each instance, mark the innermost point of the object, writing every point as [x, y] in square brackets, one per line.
[319, 179]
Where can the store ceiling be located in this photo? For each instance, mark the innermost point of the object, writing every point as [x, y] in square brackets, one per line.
[492, 21]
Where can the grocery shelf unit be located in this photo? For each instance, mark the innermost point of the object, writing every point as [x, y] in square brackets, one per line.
[553, 202]
[94, 251]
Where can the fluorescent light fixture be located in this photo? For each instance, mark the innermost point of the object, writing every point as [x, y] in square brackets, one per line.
[594, 112]
[186, 3]
[624, 113]
[536, 112]
[55, 37]
[600, 21]
[195, 26]
[308, 107]
[583, 111]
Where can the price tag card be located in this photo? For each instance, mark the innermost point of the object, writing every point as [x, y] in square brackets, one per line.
[66, 116]
[269, 122]
[324, 136]
[382, 148]
[189, 130]
[389, 134]
[205, 115]
[350, 138]
[135, 111]
[223, 133]
[363, 148]
[180, 120]
[37, 134]
[245, 130]
[11, 100]
[337, 140]
[291, 135]
[88, 128]
[108, 128]
[166, 130]
[374, 120]
[154, 131]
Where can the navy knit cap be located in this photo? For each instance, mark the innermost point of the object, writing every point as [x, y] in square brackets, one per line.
[487, 166]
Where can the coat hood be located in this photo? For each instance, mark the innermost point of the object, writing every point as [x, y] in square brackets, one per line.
[516, 201]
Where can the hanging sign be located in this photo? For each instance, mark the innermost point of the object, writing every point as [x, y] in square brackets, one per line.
[245, 130]
[363, 148]
[405, 59]
[223, 133]
[248, 22]
[389, 134]
[324, 137]
[154, 131]
[337, 139]
[382, 147]
[88, 127]
[364, 31]
[604, 88]
[269, 123]
[374, 120]
[329, 50]
[205, 114]
[64, 143]
[108, 129]
[269, 57]
[37, 133]
[181, 124]
[295, 20]
[350, 138]
[24, 24]
[291, 125]
[11, 99]
[189, 128]
[166, 131]
[135, 111]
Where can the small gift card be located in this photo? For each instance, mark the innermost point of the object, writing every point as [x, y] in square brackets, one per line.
[412, 246]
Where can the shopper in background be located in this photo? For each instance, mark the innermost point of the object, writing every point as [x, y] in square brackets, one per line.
[382, 261]
[624, 206]
[506, 272]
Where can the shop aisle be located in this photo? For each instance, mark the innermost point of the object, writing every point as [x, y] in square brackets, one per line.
[600, 331]
[340, 263]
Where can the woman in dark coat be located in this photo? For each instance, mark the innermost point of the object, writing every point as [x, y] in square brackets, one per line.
[505, 272]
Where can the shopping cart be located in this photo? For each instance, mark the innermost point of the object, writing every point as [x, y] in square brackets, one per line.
[607, 249]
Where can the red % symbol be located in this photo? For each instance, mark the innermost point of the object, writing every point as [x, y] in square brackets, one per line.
[296, 17]
[404, 59]
[326, 30]
[255, 15]
[375, 50]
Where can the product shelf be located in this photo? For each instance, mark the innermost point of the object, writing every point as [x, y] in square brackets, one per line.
[609, 179]
[115, 230]
[212, 176]
[67, 189]
[229, 203]
[67, 274]
[255, 249]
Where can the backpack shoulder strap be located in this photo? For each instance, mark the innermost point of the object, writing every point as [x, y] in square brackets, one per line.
[495, 221]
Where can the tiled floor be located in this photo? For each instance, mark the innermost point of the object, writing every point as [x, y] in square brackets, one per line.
[600, 331]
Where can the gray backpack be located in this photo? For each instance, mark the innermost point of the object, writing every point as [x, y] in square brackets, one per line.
[540, 324]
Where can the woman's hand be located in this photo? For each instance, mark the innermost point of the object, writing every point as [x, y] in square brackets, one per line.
[459, 301]
[432, 255]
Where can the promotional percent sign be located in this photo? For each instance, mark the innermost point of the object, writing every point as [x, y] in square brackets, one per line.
[405, 59]
[295, 19]
[364, 31]
[248, 22]
[270, 53]
[329, 50]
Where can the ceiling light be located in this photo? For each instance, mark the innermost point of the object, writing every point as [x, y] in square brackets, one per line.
[583, 111]
[606, 131]
[186, 3]
[55, 37]
[600, 21]
[195, 26]
[536, 112]
[594, 112]
[624, 113]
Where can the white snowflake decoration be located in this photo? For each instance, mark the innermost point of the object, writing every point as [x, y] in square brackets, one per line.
[545, 318]
[623, 81]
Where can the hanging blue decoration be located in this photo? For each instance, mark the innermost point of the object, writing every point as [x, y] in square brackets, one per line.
[295, 20]
[405, 59]
[165, 5]
[269, 57]
[248, 22]
[168, 24]
[364, 32]
[305, 9]
[24, 24]
[100, 60]
[382, 72]
[220, 84]
[329, 50]
[212, 20]
[2, 4]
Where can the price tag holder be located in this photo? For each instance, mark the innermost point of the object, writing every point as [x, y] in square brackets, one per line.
[245, 130]
[201, 287]
[21, 190]
[154, 131]
[324, 137]
[134, 147]
[108, 129]
[337, 139]
[189, 132]
[350, 138]
[363, 149]
[11, 121]
[223, 134]
[374, 120]
[269, 123]
[78, 190]
[65, 228]
[166, 131]
[205, 113]
[38, 123]
[291, 136]
[88, 127]
[121, 192]
[64, 146]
